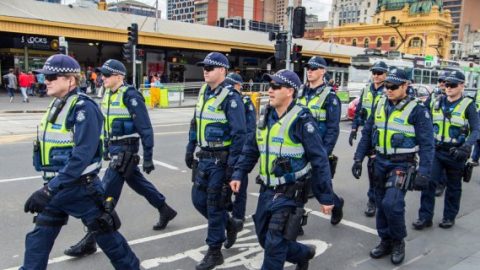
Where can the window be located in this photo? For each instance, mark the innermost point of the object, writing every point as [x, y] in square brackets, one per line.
[365, 12]
[392, 42]
[440, 43]
[368, 4]
[366, 42]
[379, 42]
[415, 42]
[393, 19]
[354, 42]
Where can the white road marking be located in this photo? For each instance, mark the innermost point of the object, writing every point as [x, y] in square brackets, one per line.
[19, 179]
[171, 125]
[170, 133]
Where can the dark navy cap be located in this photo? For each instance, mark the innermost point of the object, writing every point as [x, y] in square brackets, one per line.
[397, 76]
[112, 66]
[455, 77]
[285, 77]
[215, 59]
[316, 62]
[379, 66]
[59, 64]
[234, 78]
[443, 75]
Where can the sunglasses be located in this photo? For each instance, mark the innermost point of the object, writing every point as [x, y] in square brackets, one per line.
[441, 81]
[391, 86]
[451, 85]
[276, 86]
[52, 77]
[313, 68]
[378, 73]
[209, 68]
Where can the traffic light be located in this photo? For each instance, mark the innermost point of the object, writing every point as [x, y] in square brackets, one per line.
[133, 34]
[297, 53]
[281, 49]
[299, 22]
[127, 52]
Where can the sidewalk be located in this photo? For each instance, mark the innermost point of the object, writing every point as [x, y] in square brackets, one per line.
[36, 104]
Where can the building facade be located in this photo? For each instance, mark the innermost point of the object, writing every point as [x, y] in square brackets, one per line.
[133, 7]
[421, 28]
[352, 11]
[464, 12]
[181, 10]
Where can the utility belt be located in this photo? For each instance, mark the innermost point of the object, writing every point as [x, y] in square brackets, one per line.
[333, 161]
[445, 146]
[410, 157]
[297, 191]
[404, 180]
[221, 156]
[126, 141]
[83, 180]
[125, 163]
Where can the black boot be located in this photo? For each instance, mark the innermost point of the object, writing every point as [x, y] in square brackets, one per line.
[384, 248]
[234, 225]
[371, 209]
[213, 258]
[85, 247]
[166, 214]
[303, 265]
[337, 213]
[421, 224]
[398, 252]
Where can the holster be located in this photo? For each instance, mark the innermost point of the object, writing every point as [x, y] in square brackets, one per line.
[404, 180]
[194, 169]
[125, 163]
[467, 172]
[333, 160]
[226, 197]
[295, 221]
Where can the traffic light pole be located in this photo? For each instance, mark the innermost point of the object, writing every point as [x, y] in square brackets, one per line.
[134, 67]
[289, 35]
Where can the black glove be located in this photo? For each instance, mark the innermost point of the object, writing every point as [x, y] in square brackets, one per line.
[189, 159]
[38, 200]
[460, 153]
[228, 173]
[353, 136]
[148, 166]
[421, 182]
[357, 169]
[106, 157]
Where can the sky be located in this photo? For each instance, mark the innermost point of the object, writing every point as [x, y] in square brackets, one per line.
[316, 7]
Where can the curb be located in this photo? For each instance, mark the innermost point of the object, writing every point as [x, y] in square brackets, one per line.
[24, 111]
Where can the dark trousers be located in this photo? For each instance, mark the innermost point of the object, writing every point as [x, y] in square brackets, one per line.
[277, 248]
[240, 202]
[11, 92]
[371, 180]
[75, 201]
[207, 199]
[443, 164]
[390, 201]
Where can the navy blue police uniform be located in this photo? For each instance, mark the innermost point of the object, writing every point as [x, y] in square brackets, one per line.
[326, 108]
[368, 99]
[219, 129]
[456, 127]
[397, 132]
[277, 200]
[69, 148]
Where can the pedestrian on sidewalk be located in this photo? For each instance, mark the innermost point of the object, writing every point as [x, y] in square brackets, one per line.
[24, 83]
[12, 83]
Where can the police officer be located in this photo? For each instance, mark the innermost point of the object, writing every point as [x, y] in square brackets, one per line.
[456, 129]
[398, 128]
[126, 122]
[68, 151]
[476, 148]
[240, 202]
[368, 99]
[218, 128]
[291, 154]
[326, 108]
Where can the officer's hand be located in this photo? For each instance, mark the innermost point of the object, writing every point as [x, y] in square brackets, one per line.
[357, 169]
[189, 159]
[421, 182]
[228, 173]
[326, 209]
[148, 166]
[235, 185]
[38, 200]
[353, 136]
[460, 153]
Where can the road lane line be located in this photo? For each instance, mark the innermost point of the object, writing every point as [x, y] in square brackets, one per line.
[163, 164]
[171, 125]
[19, 179]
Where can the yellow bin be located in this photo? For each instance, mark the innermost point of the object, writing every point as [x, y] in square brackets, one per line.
[163, 98]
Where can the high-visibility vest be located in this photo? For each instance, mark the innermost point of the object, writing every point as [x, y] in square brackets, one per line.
[451, 130]
[368, 101]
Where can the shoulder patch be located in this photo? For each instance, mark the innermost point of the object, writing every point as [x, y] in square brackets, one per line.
[80, 116]
[310, 128]
[427, 115]
[134, 102]
[334, 102]
[233, 104]
[80, 102]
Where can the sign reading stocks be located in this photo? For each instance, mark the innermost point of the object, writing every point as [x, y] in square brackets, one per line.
[37, 42]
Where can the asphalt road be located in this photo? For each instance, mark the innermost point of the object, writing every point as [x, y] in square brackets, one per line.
[182, 245]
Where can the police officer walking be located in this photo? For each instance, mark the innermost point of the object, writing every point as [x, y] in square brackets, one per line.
[398, 128]
[476, 148]
[126, 122]
[68, 151]
[239, 204]
[218, 128]
[326, 108]
[456, 129]
[368, 99]
[291, 154]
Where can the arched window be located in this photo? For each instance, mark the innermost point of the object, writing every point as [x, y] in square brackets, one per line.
[392, 42]
[378, 21]
[379, 42]
[415, 42]
[354, 42]
[393, 19]
[440, 43]
[366, 42]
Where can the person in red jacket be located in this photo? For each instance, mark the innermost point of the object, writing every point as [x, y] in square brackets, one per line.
[24, 83]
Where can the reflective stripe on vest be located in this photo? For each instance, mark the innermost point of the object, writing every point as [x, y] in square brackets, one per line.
[209, 112]
[315, 105]
[275, 142]
[442, 124]
[477, 101]
[56, 136]
[368, 101]
[397, 123]
[113, 109]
